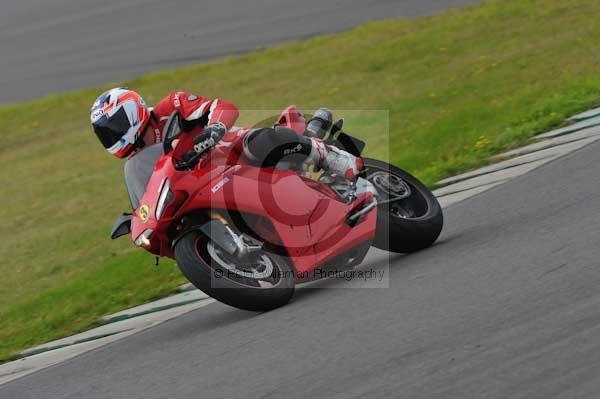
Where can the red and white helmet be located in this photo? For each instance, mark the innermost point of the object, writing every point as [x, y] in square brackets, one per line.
[119, 118]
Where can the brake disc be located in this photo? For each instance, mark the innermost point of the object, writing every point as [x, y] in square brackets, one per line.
[261, 270]
[390, 184]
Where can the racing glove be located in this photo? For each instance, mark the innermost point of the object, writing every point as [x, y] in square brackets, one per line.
[211, 135]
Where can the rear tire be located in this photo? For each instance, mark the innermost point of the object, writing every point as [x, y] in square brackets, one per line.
[192, 253]
[422, 224]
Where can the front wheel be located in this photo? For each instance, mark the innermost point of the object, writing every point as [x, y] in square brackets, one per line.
[414, 220]
[265, 283]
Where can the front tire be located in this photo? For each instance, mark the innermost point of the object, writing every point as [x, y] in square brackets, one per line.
[201, 263]
[410, 224]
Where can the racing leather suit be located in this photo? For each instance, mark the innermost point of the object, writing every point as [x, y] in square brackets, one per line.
[265, 147]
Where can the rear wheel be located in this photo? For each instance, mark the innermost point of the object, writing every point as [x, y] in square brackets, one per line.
[410, 217]
[264, 283]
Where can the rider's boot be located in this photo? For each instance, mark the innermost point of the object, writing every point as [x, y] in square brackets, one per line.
[335, 161]
[319, 124]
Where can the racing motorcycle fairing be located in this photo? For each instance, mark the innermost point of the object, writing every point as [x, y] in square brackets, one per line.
[302, 216]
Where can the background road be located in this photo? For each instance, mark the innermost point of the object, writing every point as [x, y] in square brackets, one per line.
[49, 46]
[505, 306]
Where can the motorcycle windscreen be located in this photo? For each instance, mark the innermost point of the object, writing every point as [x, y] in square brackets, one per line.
[138, 171]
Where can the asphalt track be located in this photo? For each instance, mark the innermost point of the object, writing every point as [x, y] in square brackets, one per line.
[49, 46]
[504, 306]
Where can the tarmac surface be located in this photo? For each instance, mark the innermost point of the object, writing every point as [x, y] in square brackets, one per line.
[50, 46]
[504, 306]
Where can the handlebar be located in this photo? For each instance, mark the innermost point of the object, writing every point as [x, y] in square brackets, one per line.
[191, 158]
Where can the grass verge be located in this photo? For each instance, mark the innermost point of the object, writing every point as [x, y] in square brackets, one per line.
[459, 87]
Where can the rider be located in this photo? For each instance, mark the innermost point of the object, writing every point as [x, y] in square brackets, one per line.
[128, 128]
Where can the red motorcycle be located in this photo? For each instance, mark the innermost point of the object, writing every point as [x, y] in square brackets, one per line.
[246, 235]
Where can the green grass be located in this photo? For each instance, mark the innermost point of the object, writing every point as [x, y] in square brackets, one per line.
[458, 86]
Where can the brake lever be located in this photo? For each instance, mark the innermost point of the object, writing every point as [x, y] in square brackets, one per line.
[193, 159]
[199, 151]
[188, 161]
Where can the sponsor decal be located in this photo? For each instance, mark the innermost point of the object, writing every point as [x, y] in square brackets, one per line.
[144, 212]
[220, 185]
[176, 101]
[97, 114]
[294, 150]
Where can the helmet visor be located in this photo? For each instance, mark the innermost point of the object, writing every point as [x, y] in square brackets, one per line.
[110, 131]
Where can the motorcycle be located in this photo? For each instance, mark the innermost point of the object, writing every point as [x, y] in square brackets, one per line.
[247, 235]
